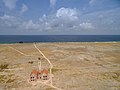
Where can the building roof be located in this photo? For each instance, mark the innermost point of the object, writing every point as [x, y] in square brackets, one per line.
[35, 72]
[44, 71]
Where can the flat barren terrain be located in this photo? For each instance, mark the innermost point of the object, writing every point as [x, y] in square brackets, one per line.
[76, 66]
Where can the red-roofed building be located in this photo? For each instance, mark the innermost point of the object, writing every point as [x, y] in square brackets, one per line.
[44, 74]
[34, 75]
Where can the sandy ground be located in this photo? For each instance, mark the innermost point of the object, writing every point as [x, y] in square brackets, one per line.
[76, 66]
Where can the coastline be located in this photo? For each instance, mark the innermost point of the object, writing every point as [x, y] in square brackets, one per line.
[58, 38]
[61, 42]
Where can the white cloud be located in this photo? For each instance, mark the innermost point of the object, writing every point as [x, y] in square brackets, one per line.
[65, 20]
[92, 2]
[52, 3]
[99, 3]
[86, 25]
[7, 20]
[30, 25]
[24, 8]
[13, 22]
[6, 17]
[10, 3]
[67, 13]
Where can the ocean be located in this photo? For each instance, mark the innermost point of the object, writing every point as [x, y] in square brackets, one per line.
[58, 38]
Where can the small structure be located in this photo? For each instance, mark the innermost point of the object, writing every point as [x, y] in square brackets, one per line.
[20, 41]
[39, 64]
[39, 74]
[44, 74]
[34, 75]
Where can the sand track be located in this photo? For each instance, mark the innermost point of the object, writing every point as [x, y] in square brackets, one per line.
[51, 65]
[76, 66]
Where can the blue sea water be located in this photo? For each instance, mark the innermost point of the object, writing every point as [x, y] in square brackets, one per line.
[58, 38]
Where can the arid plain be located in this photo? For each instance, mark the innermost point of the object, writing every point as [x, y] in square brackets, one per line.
[76, 66]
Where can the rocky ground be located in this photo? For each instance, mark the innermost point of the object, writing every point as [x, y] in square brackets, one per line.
[76, 66]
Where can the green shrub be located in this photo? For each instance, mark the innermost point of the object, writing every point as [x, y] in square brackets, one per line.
[3, 66]
[31, 62]
[10, 80]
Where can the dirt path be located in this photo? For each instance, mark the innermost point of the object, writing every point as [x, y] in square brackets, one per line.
[76, 66]
[51, 65]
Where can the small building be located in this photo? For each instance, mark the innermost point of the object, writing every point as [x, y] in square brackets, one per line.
[44, 74]
[34, 75]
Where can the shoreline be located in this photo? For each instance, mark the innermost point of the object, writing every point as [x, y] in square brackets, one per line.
[62, 42]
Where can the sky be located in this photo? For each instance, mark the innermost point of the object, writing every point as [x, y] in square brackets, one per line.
[59, 17]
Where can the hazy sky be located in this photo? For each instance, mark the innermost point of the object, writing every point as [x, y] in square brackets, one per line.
[59, 17]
